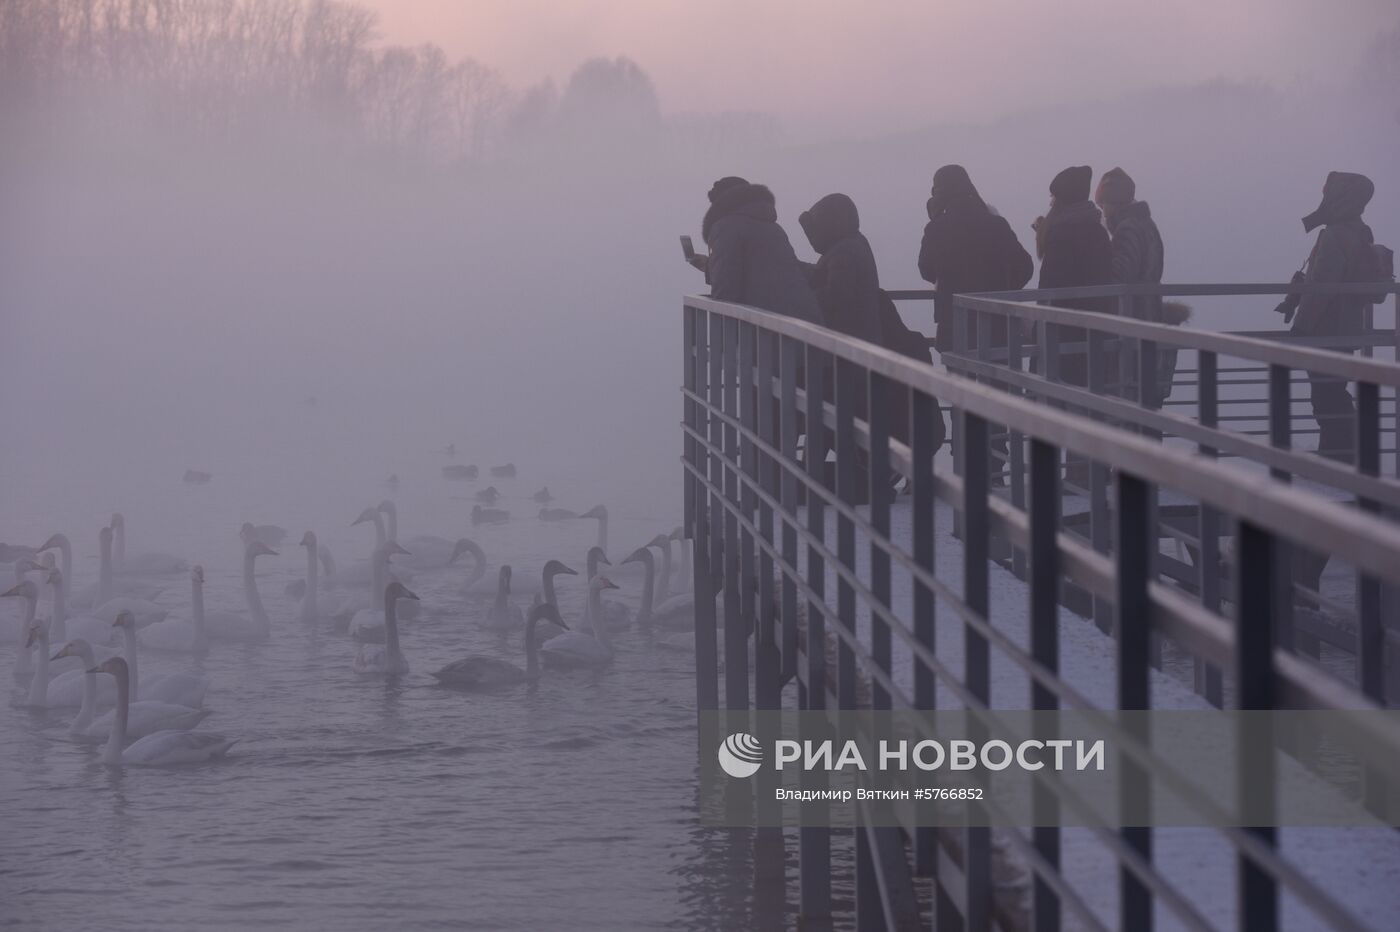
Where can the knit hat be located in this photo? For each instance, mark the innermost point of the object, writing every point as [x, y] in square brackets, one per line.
[724, 184]
[1116, 188]
[1072, 184]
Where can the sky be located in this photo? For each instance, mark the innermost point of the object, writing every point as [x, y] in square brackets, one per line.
[891, 64]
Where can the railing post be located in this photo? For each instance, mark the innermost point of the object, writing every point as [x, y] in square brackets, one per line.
[977, 844]
[736, 624]
[707, 335]
[1044, 609]
[787, 418]
[1255, 599]
[767, 658]
[1370, 652]
[923, 410]
[1134, 656]
[1208, 678]
[847, 470]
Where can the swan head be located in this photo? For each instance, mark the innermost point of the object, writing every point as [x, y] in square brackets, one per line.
[308, 539]
[555, 568]
[546, 611]
[601, 582]
[641, 555]
[367, 515]
[504, 576]
[39, 631]
[74, 648]
[462, 546]
[54, 577]
[678, 534]
[22, 590]
[197, 574]
[596, 553]
[257, 548]
[397, 590]
[124, 620]
[54, 541]
[660, 540]
[597, 511]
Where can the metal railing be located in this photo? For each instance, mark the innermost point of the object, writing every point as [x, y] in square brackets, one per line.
[757, 503]
[1214, 405]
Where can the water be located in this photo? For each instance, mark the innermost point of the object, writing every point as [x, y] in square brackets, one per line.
[352, 802]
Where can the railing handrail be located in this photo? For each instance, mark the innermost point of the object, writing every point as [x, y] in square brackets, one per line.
[1364, 541]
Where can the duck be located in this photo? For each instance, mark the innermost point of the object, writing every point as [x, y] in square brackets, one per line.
[505, 615]
[578, 648]
[389, 659]
[458, 471]
[488, 495]
[482, 515]
[504, 472]
[255, 626]
[143, 564]
[543, 496]
[160, 747]
[186, 689]
[479, 672]
[197, 477]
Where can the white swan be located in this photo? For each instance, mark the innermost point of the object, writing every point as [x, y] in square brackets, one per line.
[477, 672]
[65, 627]
[154, 748]
[615, 615]
[255, 626]
[362, 574]
[108, 585]
[38, 636]
[600, 512]
[314, 604]
[580, 649]
[142, 718]
[505, 615]
[677, 612]
[269, 535]
[368, 624]
[64, 546]
[464, 545]
[387, 660]
[142, 564]
[174, 688]
[176, 635]
[29, 592]
[93, 692]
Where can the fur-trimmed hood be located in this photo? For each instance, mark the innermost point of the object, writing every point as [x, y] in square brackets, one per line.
[750, 200]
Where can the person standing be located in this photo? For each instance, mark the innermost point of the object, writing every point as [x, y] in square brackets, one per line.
[1344, 252]
[845, 277]
[751, 260]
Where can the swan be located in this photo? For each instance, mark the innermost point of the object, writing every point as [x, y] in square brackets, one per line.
[557, 514]
[390, 511]
[458, 471]
[313, 606]
[387, 660]
[38, 635]
[489, 515]
[505, 615]
[465, 545]
[91, 691]
[143, 564]
[601, 513]
[332, 580]
[174, 688]
[428, 552]
[175, 635]
[577, 648]
[30, 593]
[676, 612]
[107, 585]
[685, 554]
[154, 747]
[362, 574]
[543, 496]
[64, 547]
[368, 624]
[269, 535]
[504, 472]
[255, 626]
[488, 495]
[615, 615]
[142, 718]
[144, 611]
[477, 672]
[65, 626]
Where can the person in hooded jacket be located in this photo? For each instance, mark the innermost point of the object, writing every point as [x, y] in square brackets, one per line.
[751, 260]
[1342, 253]
[967, 248]
[845, 278]
[1074, 251]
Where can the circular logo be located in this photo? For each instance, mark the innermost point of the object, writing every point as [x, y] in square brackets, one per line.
[740, 755]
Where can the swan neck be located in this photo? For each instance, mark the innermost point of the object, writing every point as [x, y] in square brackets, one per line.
[117, 739]
[391, 630]
[603, 533]
[532, 650]
[65, 553]
[129, 649]
[392, 519]
[104, 572]
[548, 587]
[665, 585]
[595, 612]
[89, 707]
[648, 590]
[39, 688]
[379, 533]
[197, 610]
[60, 607]
[119, 545]
[313, 582]
[502, 594]
[250, 593]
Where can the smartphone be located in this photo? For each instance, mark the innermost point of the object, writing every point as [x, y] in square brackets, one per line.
[688, 248]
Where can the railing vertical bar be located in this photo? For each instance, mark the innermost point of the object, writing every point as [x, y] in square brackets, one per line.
[977, 848]
[736, 624]
[1370, 651]
[1256, 597]
[1045, 649]
[1208, 677]
[923, 410]
[767, 658]
[1281, 436]
[709, 340]
[881, 393]
[1016, 440]
[787, 422]
[1135, 537]
[848, 375]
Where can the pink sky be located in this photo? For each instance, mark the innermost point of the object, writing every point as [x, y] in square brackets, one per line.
[892, 63]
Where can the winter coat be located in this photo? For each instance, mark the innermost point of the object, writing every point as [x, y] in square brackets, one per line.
[967, 249]
[1341, 254]
[845, 278]
[1075, 251]
[1137, 255]
[751, 260]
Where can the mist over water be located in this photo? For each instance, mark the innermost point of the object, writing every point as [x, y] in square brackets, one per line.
[303, 313]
